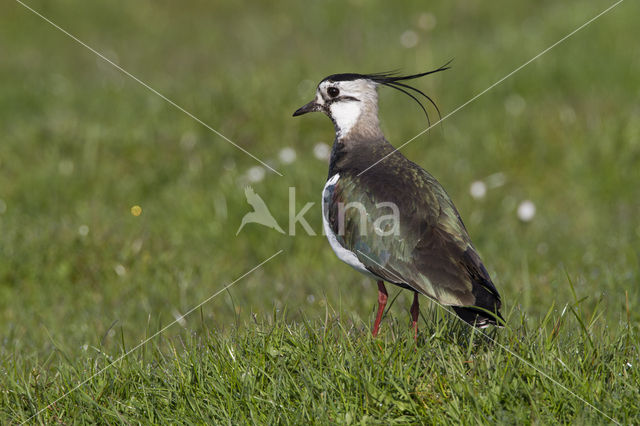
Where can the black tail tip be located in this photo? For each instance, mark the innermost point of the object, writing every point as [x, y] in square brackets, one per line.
[479, 317]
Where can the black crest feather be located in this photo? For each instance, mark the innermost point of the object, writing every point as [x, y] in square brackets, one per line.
[395, 80]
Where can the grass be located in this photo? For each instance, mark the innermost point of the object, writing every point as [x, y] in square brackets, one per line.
[275, 371]
[82, 280]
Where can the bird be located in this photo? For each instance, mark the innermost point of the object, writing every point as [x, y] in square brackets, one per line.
[260, 213]
[427, 248]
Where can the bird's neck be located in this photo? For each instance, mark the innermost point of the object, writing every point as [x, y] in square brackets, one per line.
[355, 153]
[356, 121]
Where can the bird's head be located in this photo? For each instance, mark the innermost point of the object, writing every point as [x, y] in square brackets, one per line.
[351, 100]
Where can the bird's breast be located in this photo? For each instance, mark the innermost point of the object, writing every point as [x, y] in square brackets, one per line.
[344, 254]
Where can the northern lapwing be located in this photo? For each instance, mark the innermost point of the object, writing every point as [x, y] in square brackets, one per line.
[425, 246]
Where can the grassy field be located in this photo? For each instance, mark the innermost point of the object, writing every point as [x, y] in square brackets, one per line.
[83, 280]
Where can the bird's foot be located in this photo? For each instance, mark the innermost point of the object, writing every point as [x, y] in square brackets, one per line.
[415, 312]
[382, 302]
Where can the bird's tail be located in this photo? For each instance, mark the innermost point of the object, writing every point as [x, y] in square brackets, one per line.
[479, 317]
[485, 310]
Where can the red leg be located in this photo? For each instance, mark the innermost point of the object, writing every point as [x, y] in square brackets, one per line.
[382, 302]
[415, 311]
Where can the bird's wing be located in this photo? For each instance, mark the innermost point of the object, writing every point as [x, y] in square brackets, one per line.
[430, 252]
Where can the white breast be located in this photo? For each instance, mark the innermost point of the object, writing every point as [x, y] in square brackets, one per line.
[343, 254]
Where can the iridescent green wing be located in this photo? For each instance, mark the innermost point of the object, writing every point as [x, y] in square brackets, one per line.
[426, 247]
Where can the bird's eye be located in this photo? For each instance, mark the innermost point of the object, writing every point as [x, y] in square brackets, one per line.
[333, 91]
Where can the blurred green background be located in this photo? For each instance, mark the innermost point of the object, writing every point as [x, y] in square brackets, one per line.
[81, 144]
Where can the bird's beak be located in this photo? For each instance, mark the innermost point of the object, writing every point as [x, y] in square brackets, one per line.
[310, 107]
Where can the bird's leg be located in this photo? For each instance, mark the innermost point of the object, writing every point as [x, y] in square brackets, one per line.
[415, 311]
[382, 302]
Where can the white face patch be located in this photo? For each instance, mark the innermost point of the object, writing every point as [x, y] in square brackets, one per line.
[346, 115]
[346, 109]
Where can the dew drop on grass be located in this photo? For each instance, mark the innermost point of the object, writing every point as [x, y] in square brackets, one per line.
[496, 180]
[136, 245]
[427, 21]
[409, 39]
[526, 211]
[287, 155]
[179, 318]
[321, 151]
[255, 174]
[478, 189]
[120, 270]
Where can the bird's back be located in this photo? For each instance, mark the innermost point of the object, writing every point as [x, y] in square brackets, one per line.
[431, 252]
